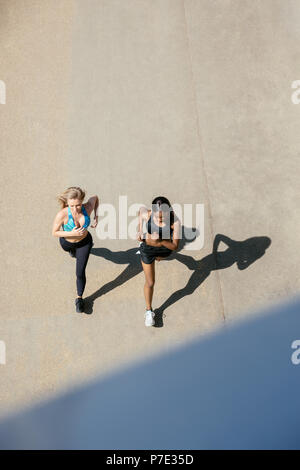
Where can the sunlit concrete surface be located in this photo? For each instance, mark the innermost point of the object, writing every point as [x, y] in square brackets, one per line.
[190, 99]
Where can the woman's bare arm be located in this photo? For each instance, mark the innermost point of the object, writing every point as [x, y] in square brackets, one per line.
[92, 205]
[173, 245]
[143, 215]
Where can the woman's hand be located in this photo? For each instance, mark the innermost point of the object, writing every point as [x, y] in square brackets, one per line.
[77, 232]
[95, 223]
[153, 239]
[139, 236]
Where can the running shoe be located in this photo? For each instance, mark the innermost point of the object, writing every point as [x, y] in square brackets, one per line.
[149, 318]
[79, 305]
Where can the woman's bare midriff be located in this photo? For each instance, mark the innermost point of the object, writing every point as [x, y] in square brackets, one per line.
[77, 239]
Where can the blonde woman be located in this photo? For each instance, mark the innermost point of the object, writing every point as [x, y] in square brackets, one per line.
[70, 225]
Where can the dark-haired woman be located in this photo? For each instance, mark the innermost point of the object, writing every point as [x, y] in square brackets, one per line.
[160, 240]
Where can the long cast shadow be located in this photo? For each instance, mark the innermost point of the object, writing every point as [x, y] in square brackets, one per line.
[134, 266]
[243, 253]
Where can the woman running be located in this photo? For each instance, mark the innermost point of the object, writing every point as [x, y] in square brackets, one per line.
[70, 225]
[161, 239]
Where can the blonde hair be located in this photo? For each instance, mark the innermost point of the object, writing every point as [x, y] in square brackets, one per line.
[74, 192]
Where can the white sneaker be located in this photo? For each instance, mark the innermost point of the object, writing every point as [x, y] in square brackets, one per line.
[149, 318]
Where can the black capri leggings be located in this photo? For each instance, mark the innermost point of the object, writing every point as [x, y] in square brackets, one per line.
[82, 251]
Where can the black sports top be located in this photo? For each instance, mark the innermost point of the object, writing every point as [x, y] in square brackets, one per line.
[165, 233]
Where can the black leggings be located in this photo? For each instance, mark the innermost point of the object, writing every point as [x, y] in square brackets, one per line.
[82, 251]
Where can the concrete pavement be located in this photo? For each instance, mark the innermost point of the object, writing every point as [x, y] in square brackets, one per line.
[190, 99]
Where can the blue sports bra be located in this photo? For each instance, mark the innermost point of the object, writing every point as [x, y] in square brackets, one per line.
[70, 225]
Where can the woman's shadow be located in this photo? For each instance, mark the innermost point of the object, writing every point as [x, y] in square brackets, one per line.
[243, 253]
[134, 266]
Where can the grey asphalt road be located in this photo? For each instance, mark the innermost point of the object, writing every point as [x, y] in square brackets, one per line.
[189, 99]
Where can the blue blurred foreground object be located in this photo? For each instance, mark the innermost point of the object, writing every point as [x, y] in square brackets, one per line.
[235, 389]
